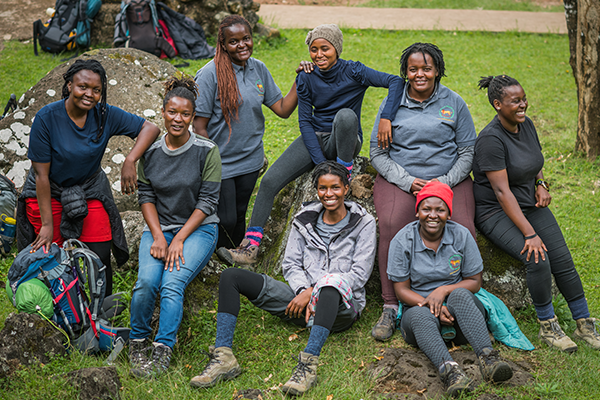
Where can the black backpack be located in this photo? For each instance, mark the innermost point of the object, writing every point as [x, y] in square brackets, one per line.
[68, 28]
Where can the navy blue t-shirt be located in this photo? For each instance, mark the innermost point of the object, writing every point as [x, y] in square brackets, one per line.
[70, 150]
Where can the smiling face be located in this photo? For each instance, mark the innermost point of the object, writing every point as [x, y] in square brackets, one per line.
[85, 90]
[178, 113]
[512, 108]
[331, 192]
[238, 43]
[421, 74]
[323, 54]
[432, 214]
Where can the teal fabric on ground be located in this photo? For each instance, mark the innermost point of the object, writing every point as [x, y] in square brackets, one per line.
[500, 322]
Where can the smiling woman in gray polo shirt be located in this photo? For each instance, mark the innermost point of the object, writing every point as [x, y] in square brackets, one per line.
[432, 139]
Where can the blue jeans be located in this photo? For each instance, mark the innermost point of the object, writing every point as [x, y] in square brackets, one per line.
[152, 278]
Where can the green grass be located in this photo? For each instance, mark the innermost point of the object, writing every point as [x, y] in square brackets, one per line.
[539, 62]
[505, 5]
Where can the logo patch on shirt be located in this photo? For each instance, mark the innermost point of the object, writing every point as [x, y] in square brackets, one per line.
[260, 87]
[447, 112]
[455, 262]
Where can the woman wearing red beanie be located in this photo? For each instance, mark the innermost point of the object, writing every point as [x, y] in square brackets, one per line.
[435, 267]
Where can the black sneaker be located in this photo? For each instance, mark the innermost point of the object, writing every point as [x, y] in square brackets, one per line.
[161, 358]
[138, 357]
[455, 380]
[493, 369]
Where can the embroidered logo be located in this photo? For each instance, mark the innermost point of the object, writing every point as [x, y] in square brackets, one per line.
[455, 262]
[260, 87]
[447, 112]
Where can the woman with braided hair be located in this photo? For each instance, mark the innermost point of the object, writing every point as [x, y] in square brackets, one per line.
[179, 178]
[432, 139]
[511, 209]
[233, 88]
[66, 144]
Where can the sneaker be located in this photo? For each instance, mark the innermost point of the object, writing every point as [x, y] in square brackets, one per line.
[588, 332]
[492, 368]
[138, 357]
[244, 254]
[553, 335]
[304, 376]
[161, 358]
[221, 367]
[386, 325]
[455, 380]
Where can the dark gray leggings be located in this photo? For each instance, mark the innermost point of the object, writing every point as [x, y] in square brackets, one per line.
[422, 329]
[504, 234]
[343, 142]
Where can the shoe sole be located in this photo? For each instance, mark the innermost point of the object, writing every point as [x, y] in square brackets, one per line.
[295, 392]
[457, 391]
[571, 349]
[583, 339]
[225, 256]
[231, 374]
[382, 338]
[502, 373]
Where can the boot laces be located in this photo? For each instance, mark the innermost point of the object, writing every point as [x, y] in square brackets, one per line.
[557, 329]
[592, 325]
[300, 372]
[214, 360]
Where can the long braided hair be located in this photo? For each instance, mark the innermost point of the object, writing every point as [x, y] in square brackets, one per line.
[180, 85]
[496, 86]
[228, 90]
[424, 48]
[97, 68]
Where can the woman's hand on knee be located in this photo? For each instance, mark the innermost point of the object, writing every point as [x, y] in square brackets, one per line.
[535, 246]
[159, 248]
[174, 254]
[296, 307]
[445, 317]
[435, 301]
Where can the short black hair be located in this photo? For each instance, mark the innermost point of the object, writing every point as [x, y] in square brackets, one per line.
[180, 86]
[330, 167]
[424, 48]
[97, 68]
[496, 86]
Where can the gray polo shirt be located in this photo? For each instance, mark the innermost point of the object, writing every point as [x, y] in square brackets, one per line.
[427, 135]
[242, 153]
[457, 257]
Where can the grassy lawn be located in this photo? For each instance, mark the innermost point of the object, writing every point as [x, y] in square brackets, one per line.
[506, 5]
[539, 62]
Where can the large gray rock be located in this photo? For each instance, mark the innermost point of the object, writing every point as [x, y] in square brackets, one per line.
[97, 383]
[134, 84]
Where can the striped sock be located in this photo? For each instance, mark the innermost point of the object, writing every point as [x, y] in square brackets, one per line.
[254, 234]
[316, 340]
[348, 165]
[225, 329]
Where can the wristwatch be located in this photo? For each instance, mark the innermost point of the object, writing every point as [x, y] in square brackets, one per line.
[542, 183]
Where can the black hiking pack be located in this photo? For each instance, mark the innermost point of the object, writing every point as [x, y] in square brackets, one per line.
[66, 285]
[69, 27]
[156, 29]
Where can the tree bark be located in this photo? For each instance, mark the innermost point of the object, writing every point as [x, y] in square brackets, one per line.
[584, 43]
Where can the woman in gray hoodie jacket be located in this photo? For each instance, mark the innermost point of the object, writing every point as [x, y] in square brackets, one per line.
[328, 260]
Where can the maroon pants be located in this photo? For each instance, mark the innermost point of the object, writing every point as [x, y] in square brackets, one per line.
[396, 208]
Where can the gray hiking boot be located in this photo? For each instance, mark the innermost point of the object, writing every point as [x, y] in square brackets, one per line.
[493, 368]
[244, 254]
[587, 330]
[455, 380]
[552, 334]
[138, 357]
[221, 367]
[161, 358]
[304, 376]
[385, 326]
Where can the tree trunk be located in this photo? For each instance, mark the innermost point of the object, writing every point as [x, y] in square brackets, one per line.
[584, 42]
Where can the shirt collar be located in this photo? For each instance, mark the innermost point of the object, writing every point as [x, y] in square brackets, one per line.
[447, 239]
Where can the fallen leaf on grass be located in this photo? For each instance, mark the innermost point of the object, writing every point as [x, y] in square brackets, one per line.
[379, 358]
[292, 337]
[268, 377]
[422, 391]
[330, 397]
[212, 312]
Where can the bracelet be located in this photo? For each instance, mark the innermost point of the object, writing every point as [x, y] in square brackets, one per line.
[542, 183]
[530, 237]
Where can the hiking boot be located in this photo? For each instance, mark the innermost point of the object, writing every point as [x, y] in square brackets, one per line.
[553, 335]
[588, 332]
[492, 368]
[221, 367]
[244, 254]
[455, 380]
[141, 365]
[304, 376]
[161, 358]
[385, 326]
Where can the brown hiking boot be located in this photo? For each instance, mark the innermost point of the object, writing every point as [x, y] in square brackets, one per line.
[455, 380]
[553, 335]
[244, 254]
[304, 376]
[493, 368]
[386, 325]
[221, 367]
[588, 332]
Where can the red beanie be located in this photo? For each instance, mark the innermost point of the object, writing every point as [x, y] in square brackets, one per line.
[435, 189]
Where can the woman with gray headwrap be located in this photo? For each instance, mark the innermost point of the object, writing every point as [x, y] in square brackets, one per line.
[329, 104]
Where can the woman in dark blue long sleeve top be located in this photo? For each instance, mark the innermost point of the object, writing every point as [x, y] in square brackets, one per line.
[329, 103]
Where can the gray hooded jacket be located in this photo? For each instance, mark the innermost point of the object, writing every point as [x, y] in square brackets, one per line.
[351, 252]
